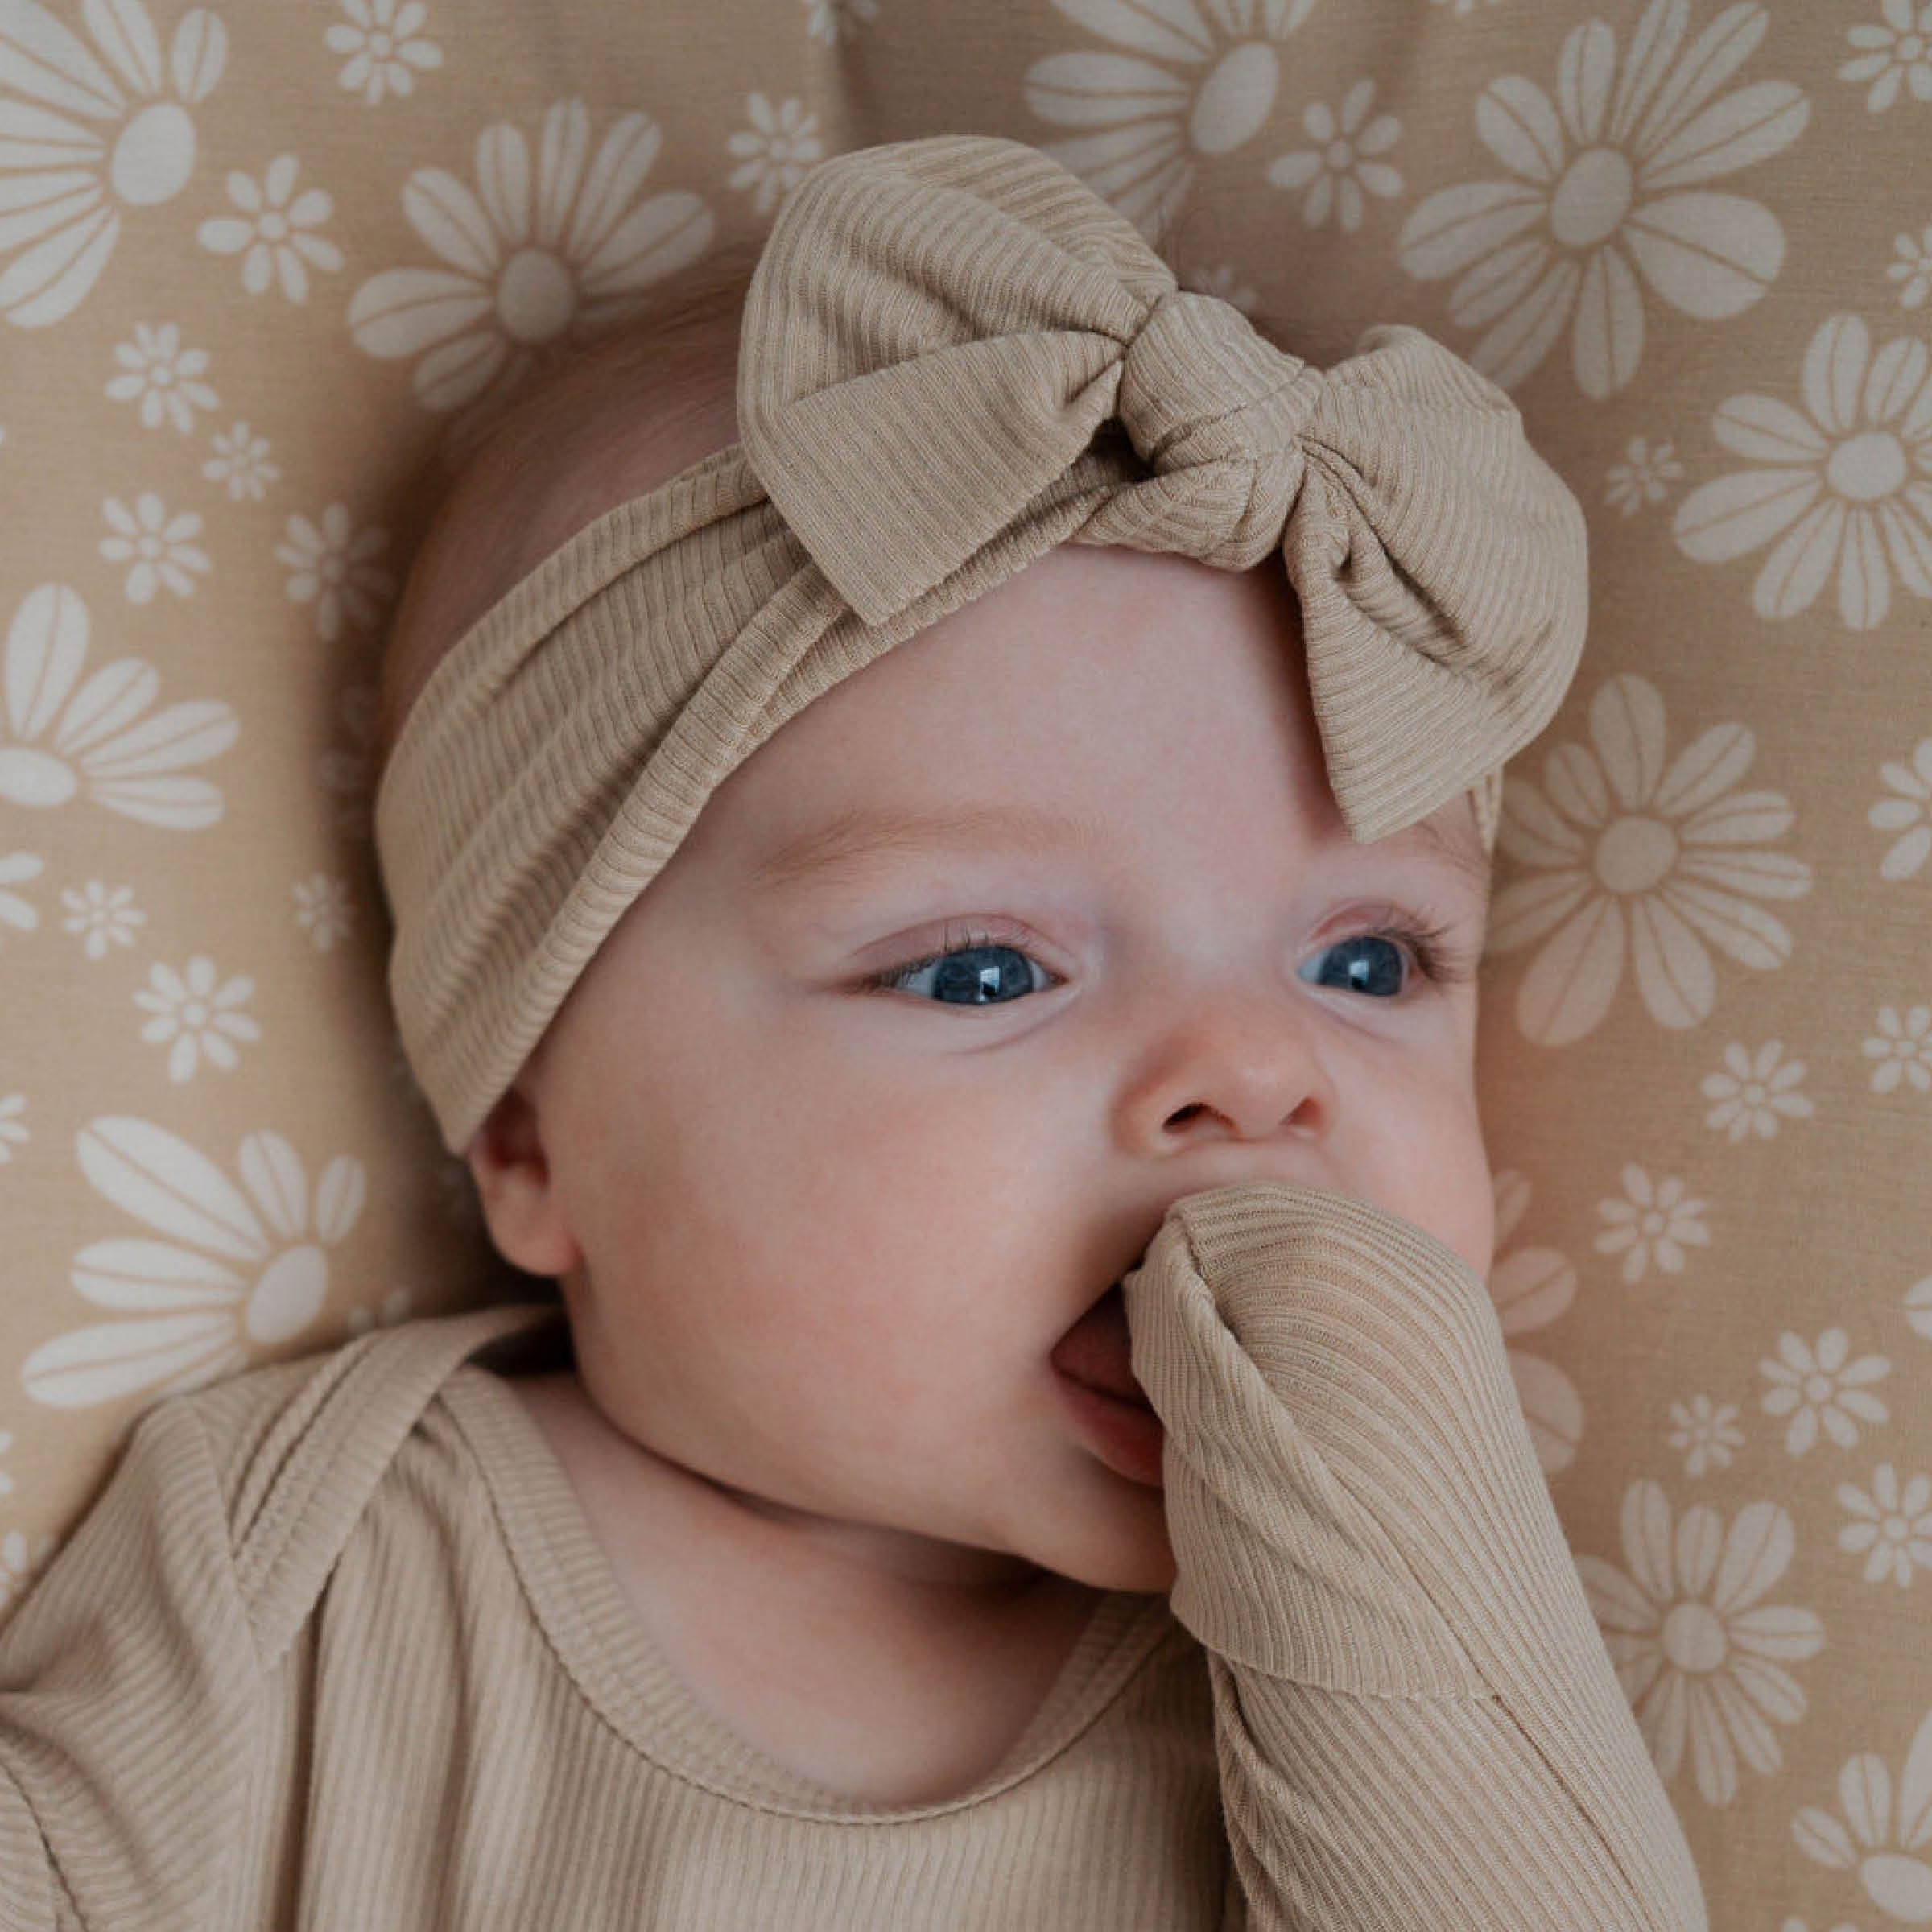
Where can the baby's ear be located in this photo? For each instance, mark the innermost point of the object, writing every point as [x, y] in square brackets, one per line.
[513, 1177]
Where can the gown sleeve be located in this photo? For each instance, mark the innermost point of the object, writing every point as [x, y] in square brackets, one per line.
[1416, 1721]
[127, 1678]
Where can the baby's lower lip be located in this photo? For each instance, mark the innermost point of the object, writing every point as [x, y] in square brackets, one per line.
[1127, 1436]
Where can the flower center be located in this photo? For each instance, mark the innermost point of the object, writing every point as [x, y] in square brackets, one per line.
[31, 777]
[1818, 1388]
[1339, 156]
[1868, 466]
[1634, 853]
[1693, 1637]
[154, 155]
[536, 296]
[195, 1013]
[1592, 198]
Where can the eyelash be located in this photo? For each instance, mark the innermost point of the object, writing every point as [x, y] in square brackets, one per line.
[1438, 961]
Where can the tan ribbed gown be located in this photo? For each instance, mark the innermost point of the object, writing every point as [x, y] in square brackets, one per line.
[337, 1650]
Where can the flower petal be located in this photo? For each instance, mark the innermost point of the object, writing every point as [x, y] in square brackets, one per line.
[1627, 727]
[1516, 122]
[1834, 372]
[451, 221]
[1734, 514]
[401, 311]
[1457, 226]
[1745, 127]
[1709, 255]
[1571, 982]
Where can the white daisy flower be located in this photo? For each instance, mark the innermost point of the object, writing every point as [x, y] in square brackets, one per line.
[1184, 84]
[1821, 1387]
[1886, 1841]
[1909, 814]
[1752, 1093]
[195, 1015]
[90, 133]
[1894, 1525]
[106, 918]
[272, 233]
[1895, 53]
[1700, 1657]
[63, 735]
[161, 375]
[1339, 170]
[1903, 1049]
[1652, 1223]
[382, 39]
[1641, 478]
[1225, 284]
[241, 461]
[1605, 195]
[333, 567]
[154, 547]
[782, 147]
[220, 1270]
[1844, 485]
[1706, 1432]
[1530, 1287]
[535, 255]
[1632, 851]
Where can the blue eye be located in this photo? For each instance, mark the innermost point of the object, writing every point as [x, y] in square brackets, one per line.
[1385, 973]
[973, 970]
[981, 969]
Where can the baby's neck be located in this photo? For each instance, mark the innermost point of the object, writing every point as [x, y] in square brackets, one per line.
[892, 1687]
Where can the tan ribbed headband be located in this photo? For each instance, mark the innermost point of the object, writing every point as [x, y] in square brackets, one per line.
[954, 357]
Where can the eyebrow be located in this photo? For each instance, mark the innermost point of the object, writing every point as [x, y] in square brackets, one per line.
[860, 837]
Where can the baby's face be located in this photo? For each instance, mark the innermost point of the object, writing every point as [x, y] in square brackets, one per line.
[822, 1212]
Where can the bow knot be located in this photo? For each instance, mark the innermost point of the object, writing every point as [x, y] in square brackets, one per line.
[1198, 385]
[1202, 392]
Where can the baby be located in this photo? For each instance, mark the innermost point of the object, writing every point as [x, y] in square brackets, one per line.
[977, 1014]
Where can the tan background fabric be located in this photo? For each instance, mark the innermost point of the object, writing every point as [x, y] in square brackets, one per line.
[256, 263]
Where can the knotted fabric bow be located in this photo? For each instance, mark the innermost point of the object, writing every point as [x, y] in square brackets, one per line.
[966, 295]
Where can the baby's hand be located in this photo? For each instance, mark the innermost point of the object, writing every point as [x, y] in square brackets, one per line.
[1331, 1370]
[1364, 1544]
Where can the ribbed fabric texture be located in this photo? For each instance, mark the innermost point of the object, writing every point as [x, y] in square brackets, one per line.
[337, 1650]
[954, 357]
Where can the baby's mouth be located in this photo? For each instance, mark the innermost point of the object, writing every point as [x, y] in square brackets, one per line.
[1097, 1351]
